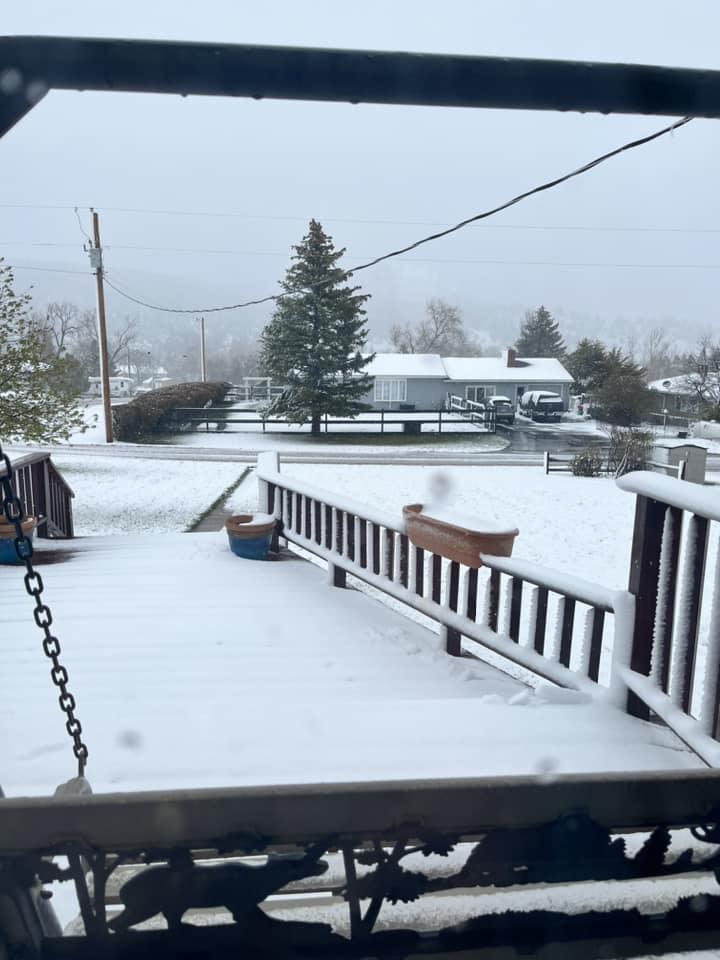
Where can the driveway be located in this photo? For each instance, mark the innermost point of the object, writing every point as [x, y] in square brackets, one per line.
[527, 437]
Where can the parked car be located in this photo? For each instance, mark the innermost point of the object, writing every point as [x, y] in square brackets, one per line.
[503, 407]
[542, 405]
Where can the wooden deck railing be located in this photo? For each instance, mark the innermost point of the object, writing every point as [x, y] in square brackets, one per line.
[45, 494]
[562, 628]
[675, 664]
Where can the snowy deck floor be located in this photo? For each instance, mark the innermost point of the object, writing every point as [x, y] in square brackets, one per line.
[192, 667]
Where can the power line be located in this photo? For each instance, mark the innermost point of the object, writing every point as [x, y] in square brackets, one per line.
[17, 266]
[82, 228]
[585, 228]
[548, 185]
[209, 251]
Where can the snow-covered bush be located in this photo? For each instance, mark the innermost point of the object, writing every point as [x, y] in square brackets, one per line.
[155, 412]
[587, 463]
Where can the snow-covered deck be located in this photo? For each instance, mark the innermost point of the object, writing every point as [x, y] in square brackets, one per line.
[192, 667]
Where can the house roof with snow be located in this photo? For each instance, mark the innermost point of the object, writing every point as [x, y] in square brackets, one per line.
[682, 384]
[494, 369]
[406, 365]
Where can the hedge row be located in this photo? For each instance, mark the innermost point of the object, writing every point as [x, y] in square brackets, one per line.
[154, 412]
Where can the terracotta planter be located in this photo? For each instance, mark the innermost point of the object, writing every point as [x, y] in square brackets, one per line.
[250, 535]
[449, 538]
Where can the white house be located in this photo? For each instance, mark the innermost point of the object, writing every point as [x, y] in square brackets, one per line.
[424, 380]
[119, 386]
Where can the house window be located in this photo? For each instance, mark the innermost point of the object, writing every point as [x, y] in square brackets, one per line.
[390, 391]
[478, 393]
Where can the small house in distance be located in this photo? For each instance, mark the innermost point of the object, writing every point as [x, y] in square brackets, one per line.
[423, 381]
[683, 394]
[119, 386]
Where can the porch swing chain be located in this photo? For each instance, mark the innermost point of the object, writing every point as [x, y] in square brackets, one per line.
[14, 512]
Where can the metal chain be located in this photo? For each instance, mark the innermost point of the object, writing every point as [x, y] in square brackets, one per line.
[14, 512]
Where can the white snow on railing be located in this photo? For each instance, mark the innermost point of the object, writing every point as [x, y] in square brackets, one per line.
[708, 718]
[566, 584]
[346, 504]
[687, 728]
[683, 622]
[657, 655]
[677, 493]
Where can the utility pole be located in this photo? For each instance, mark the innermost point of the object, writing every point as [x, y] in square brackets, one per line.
[203, 371]
[96, 264]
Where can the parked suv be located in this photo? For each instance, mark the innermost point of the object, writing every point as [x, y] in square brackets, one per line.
[503, 407]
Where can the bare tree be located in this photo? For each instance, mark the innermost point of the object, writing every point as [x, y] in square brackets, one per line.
[86, 348]
[60, 324]
[657, 356]
[441, 330]
[703, 372]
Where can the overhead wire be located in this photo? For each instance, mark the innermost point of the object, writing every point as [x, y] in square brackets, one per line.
[82, 228]
[365, 221]
[21, 266]
[393, 254]
[547, 185]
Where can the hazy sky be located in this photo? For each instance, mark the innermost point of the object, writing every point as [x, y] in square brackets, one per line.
[375, 176]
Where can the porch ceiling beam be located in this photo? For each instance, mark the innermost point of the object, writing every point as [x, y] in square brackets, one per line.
[356, 76]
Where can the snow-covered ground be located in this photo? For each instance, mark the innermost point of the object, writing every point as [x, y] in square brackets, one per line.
[577, 524]
[281, 436]
[127, 495]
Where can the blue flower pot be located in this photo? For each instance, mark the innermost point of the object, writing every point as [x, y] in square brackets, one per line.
[7, 540]
[250, 535]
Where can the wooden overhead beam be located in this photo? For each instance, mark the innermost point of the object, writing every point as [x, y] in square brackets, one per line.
[30, 66]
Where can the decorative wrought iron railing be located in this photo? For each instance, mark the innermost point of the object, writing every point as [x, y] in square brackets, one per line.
[565, 629]
[45, 494]
[675, 665]
[613, 865]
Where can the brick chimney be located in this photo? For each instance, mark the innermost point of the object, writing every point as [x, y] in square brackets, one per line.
[509, 357]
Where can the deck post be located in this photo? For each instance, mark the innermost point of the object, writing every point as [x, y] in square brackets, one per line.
[269, 460]
[643, 585]
[337, 577]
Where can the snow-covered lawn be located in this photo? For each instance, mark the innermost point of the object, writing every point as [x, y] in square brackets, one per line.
[127, 495]
[580, 525]
[280, 436]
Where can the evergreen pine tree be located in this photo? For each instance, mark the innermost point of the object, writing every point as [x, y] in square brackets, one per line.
[588, 363]
[37, 397]
[540, 335]
[313, 343]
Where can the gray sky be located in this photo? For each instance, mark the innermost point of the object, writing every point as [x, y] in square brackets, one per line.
[399, 169]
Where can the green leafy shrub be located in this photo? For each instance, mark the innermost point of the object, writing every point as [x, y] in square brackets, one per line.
[587, 463]
[155, 412]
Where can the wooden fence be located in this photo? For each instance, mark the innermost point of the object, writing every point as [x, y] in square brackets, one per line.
[45, 494]
[554, 463]
[559, 627]
[387, 421]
